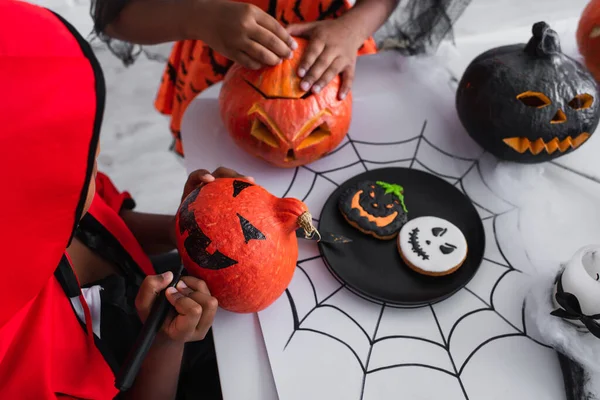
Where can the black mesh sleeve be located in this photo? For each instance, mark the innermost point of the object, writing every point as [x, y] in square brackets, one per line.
[103, 13]
[419, 26]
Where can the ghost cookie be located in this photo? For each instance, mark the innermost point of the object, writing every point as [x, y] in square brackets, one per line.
[432, 246]
[375, 208]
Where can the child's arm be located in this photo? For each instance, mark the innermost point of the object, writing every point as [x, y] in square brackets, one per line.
[241, 32]
[194, 313]
[334, 43]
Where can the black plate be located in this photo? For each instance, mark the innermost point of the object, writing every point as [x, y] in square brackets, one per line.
[374, 268]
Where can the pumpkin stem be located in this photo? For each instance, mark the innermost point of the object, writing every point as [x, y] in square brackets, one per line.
[305, 222]
[544, 42]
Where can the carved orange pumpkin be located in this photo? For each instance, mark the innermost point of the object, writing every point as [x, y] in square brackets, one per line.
[269, 116]
[241, 241]
[588, 37]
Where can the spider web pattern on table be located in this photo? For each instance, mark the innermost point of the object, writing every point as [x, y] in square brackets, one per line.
[480, 303]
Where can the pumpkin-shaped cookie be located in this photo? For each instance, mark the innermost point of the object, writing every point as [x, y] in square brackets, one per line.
[375, 208]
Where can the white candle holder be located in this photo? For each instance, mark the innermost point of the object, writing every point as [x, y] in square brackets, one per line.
[576, 294]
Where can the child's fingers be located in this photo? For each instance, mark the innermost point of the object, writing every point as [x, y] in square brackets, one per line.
[189, 311]
[314, 50]
[335, 68]
[316, 70]
[194, 284]
[299, 29]
[209, 311]
[245, 60]
[271, 41]
[196, 179]
[209, 306]
[197, 290]
[223, 172]
[281, 35]
[200, 176]
[149, 290]
[261, 54]
[347, 80]
[183, 287]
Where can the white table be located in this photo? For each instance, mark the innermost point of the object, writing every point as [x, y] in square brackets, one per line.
[244, 365]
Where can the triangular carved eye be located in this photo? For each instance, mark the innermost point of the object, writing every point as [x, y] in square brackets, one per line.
[581, 101]
[250, 231]
[534, 99]
[317, 135]
[238, 186]
[262, 132]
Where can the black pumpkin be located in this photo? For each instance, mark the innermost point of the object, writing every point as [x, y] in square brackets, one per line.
[376, 208]
[528, 103]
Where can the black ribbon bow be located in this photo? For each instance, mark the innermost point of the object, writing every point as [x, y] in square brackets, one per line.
[571, 310]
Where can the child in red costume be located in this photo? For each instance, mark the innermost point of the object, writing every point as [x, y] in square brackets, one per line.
[75, 256]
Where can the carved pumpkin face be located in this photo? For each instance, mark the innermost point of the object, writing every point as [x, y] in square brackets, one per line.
[375, 208]
[241, 241]
[528, 103]
[269, 116]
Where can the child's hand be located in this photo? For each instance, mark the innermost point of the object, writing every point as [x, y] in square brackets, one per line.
[331, 50]
[244, 33]
[202, 176]
[195, 308]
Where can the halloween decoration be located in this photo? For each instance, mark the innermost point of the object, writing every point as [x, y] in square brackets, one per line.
[375, 208]
[528, 103]
[562, 307]
[241, 240]
[577, 291]
[588, 37]
[269, 116]
[432, 246]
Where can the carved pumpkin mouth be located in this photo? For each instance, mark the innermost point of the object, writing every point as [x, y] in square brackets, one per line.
[379, 221]
[521, 144]
[266, 131]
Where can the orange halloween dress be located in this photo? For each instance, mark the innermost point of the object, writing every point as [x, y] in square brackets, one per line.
[193, 66]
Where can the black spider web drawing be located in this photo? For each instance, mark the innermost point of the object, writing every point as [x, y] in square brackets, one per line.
[487, 304]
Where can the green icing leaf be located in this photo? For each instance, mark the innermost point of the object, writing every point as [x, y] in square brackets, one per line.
[395, 190]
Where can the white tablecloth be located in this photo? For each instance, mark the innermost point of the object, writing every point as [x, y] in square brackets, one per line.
[382, 97]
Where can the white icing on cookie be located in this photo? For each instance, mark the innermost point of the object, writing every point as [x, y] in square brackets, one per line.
[432, 244]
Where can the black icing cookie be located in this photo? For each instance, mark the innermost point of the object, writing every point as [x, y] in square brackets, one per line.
[375, 208]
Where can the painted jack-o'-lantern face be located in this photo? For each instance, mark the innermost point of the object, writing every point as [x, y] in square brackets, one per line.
[269, 116]
[241, 241]
[528, 103]
[375, 208]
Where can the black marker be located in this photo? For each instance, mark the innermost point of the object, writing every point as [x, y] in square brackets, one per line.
[137, 354]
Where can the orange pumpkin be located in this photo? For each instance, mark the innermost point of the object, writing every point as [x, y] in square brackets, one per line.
[588, 37]
[241, 241]
[269, 116]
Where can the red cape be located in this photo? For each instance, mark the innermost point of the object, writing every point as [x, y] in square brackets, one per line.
[51, 110]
